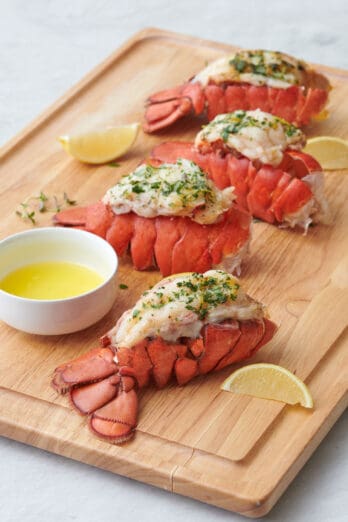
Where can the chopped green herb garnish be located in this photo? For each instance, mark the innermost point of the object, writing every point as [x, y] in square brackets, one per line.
[114, 164]
[199, 293]
[240, 65]
[138, 189]
[235, 122]
[123, 286]
[173, 186]
[270, 64]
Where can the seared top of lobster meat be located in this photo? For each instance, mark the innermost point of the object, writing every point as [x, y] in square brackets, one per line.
[260, 67]
[179, 306]
[171, 189]
[257, 135]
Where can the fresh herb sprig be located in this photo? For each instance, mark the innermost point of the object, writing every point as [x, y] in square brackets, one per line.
[27, 210]
[24, 213]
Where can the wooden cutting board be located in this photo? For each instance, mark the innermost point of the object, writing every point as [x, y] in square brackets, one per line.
[232, 451]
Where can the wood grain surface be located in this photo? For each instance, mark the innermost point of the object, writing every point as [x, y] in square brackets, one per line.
[232, 451]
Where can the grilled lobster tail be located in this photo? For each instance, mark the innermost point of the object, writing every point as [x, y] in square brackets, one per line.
[185, 326]
[260, 156]
[270, 81]
[105, 390]
[268, 193]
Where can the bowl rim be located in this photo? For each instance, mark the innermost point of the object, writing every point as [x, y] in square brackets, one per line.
[73, 231]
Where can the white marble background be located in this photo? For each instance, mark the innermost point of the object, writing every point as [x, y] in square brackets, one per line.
[46, 46]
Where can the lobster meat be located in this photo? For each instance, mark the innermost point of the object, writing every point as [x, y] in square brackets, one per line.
[268, 80]
[171, 217]
[260, 156]
[186, 325]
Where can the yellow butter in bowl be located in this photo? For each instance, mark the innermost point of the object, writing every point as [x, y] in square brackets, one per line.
[51, 280]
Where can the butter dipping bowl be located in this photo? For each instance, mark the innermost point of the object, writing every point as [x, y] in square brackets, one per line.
[58, 245]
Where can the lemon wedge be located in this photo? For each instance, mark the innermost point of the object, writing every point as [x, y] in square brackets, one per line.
[100, 146]
[331, 152]
[269, 381]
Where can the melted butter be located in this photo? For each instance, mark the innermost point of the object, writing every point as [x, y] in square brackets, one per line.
[50, 280]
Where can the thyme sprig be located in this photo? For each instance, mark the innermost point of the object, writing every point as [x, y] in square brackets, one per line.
[27, 209]
[25, 213]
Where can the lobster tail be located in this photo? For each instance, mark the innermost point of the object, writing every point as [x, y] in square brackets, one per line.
[278, 84]
[105, 391]
[290, 194]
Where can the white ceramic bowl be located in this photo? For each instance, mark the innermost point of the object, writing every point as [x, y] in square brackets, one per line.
[59, 316]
